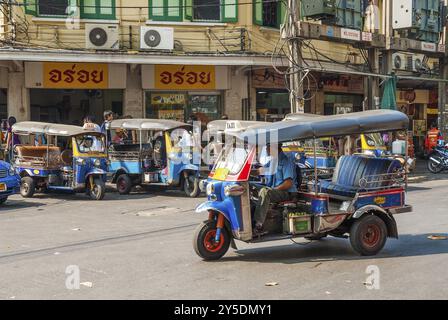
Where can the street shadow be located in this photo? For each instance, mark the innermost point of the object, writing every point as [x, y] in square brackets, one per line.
[415, 188]
[335, 249]
[19, 204]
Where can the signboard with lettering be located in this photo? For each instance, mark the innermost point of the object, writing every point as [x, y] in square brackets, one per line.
[184, 77]
[75, 75]
[428, 46]
[267, 78]
[167, 99]
[350, 34]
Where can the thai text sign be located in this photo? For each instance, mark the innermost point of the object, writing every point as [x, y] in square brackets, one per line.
[184, 77]
[76, 76]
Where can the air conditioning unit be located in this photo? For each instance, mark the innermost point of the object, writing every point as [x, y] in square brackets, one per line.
[102, 36]
[155, 38]
[399, 61]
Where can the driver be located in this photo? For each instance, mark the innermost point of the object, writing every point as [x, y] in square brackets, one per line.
[279, 187]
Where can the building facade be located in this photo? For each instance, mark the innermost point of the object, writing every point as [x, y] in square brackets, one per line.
[63, 59]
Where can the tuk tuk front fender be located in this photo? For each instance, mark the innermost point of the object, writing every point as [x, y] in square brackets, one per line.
[218, 206]
[221, 208]
[389, 220]
[189, 167]
[96, 172]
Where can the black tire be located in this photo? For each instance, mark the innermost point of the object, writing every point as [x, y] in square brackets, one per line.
[434, 167]
[27, 187]
[98, 189]
[3, 200]
[190, 185]
[368, 235]
[124, 184]
[202, 237]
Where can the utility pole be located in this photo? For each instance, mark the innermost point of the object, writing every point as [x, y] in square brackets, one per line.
[295, 57]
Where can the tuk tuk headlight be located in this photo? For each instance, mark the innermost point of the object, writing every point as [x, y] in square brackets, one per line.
[210, 189]
[97, 163]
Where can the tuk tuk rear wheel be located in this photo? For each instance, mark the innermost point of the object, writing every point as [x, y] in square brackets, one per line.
[368, 235]
[204, 244]
[27, 187]
[124, 184]
[98, 189]
[190, 185]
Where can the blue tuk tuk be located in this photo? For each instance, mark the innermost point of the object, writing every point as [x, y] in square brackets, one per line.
[72, 159]
[9, 181]
[154, 152]
[359, 201]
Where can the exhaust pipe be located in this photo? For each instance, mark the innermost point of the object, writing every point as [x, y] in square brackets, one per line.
[434, 160]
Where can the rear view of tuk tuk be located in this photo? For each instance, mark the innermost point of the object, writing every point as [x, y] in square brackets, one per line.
[71, 160]
[154, 152]
[358, 202]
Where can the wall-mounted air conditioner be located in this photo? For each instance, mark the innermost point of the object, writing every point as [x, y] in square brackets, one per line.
[102, 36]
[156, 38]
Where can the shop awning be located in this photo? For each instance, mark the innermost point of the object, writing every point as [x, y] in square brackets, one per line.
[389, 100]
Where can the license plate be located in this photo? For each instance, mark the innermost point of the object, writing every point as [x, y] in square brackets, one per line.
[2, 187]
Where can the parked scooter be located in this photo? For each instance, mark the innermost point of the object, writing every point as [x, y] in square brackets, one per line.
[438, 158]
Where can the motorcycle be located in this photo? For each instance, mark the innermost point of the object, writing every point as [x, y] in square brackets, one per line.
[438, 159]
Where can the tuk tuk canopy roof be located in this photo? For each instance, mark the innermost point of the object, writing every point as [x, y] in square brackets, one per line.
[147, 124]
[327, 126]
[51, 129]
[234, 125]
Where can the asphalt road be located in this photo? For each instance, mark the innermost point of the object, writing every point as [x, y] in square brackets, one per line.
[140, 247]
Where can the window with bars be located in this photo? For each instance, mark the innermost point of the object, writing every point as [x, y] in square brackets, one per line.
[53, 7]
[194, 10]
[269, 13]
[207, 10]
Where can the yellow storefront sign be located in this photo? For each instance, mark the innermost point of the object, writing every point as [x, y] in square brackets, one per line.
[183, 77]
[75, 75]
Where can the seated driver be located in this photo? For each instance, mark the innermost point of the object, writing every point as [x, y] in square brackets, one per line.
[279, 187]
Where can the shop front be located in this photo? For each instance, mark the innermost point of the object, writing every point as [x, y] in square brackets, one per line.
[67, 92]
[272, 97]
[179, 92]
[342, 93]
[416, 104]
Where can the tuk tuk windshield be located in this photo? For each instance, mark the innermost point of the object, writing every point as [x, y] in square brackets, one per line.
[90, 143]
[233, 158]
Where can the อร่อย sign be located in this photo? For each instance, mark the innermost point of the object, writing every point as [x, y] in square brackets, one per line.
[75, 76]
[184, 77]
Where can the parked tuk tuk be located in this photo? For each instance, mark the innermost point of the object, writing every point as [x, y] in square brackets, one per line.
[359, 201]
[154, 152]
[71, 160]
[9, 181]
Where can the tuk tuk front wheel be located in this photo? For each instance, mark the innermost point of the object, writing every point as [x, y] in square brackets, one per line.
[368, 235]
[204, 241]
[27, 187]
[97, 190]
[190, 184]
[124, 184]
